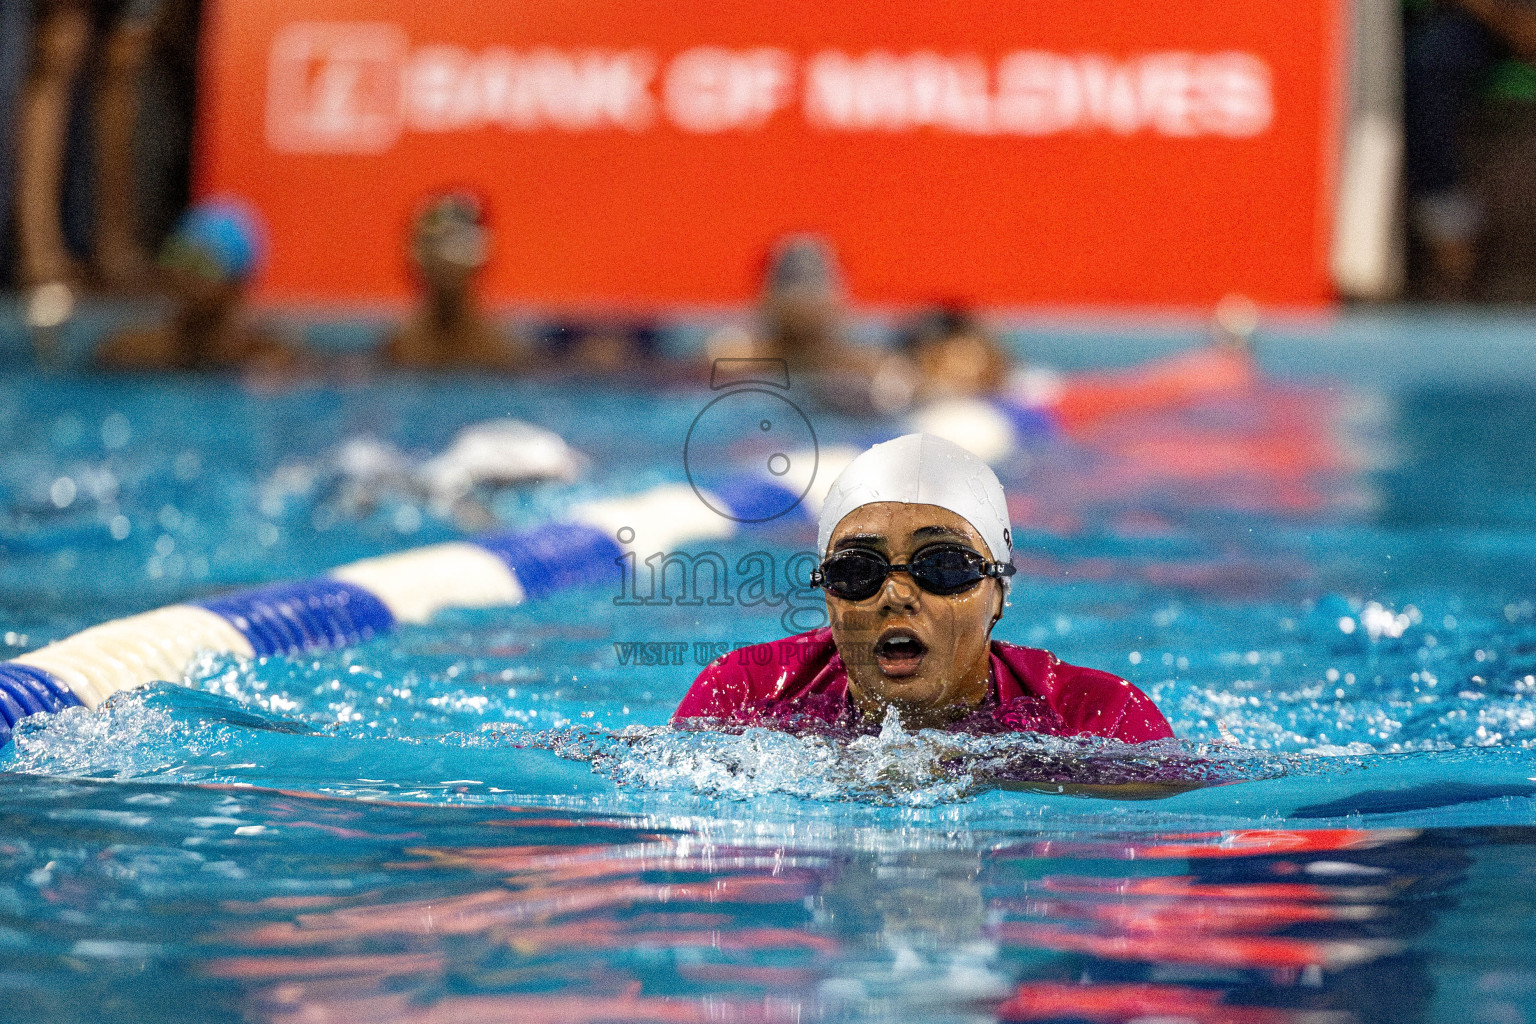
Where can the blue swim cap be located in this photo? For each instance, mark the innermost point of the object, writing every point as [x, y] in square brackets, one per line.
[226, 234]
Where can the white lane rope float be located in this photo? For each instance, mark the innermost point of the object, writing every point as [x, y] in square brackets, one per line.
[361, 600]
[364, 599]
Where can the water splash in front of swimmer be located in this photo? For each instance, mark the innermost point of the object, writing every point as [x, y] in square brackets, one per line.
[536, 693]
[897, 767]
[174, 730]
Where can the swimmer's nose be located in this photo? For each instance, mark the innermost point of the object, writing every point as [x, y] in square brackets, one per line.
[898, 593]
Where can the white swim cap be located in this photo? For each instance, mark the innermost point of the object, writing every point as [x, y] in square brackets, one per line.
[920, 469]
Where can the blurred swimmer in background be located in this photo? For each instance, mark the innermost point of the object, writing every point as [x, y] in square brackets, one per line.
[608, 347]
[955, 355]
[802, 316]
[450, 244]
[802, 313]
[947, 353]
[206, 264]
[943, 353]
[916, 559]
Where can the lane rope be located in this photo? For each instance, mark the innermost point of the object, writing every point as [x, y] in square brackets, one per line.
[365, 599]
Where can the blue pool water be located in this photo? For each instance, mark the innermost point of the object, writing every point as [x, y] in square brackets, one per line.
[1328, 591]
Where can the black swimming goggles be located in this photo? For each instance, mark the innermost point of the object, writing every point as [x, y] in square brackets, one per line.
[856, 574]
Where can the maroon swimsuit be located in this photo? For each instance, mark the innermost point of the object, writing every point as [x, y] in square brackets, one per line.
[800, 680]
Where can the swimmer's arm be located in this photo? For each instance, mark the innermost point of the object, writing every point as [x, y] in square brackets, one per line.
[1106, 791]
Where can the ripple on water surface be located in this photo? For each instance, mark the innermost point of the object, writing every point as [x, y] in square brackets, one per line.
[487, 818]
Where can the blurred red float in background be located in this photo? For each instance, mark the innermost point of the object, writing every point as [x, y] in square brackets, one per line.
[641, 155]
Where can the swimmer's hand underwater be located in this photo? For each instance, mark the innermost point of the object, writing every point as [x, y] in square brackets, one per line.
[908, 533]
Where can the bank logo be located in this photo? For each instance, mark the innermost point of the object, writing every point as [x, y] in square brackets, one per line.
[335, 88]
[355, 87]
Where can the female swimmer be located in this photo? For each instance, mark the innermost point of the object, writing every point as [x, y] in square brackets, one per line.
[909, 535]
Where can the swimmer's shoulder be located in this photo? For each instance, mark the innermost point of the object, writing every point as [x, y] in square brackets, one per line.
[758, 672]
[1089, 700]
[766, 666]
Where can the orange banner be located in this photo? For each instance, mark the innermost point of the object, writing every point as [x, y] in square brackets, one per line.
[642, 153]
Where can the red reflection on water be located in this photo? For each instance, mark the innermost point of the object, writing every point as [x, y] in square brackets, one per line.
[1236, 910]
[303, 1003]
[1106, 1003]
[1190, 887]
[1184, 947]
[378, 965]
[1234, 843]
[558, 930]
[1202, 915]
[1255, 446]
[492, 909]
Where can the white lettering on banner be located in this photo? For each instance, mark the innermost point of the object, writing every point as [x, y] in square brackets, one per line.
[449, 89]
[891, 93]
[709, 89]
[1174, 94]
[334, 88]
[353, 88]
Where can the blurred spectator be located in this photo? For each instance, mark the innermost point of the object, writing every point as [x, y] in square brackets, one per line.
[15, 45]
[449, 245]
[1455, 50]
[64, 34]
[207, 263]
[163, 147]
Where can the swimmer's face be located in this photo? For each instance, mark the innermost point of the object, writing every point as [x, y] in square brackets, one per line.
[801, 321]
[925, 654]
[200, 295]
[448, 256]
[963, 365]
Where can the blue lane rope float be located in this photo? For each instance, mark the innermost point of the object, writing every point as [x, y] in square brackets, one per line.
[364, 599]
[355, 602]
[293, 617]
[28, 691]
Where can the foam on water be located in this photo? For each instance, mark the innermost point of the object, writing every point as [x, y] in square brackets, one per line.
[894, 767]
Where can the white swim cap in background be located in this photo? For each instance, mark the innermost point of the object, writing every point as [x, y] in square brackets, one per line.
[920, 469]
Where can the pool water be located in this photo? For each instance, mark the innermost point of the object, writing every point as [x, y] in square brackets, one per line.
[1327, 589]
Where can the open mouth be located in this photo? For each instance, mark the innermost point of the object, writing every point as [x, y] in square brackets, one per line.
[899, 652]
